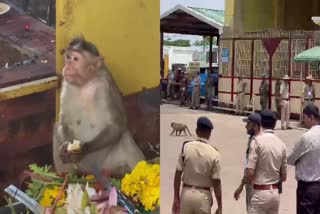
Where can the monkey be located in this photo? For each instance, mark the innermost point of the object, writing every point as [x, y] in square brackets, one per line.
[92, 112]
[179, 127]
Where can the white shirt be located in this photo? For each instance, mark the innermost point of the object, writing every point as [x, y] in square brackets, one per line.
[306, 156]
[284, 90]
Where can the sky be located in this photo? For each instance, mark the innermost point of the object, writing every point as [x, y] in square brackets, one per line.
[168, 4]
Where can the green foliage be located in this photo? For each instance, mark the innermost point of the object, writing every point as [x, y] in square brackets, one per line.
[116, 183]
[179, 43]
[205, 41]
[43, 171]
[10, 204]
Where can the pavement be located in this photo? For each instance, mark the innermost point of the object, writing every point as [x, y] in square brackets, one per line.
[230, 138]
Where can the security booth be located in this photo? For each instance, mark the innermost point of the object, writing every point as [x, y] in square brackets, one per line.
[192, 21]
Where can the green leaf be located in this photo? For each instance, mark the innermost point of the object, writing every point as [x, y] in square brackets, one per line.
[85, 202]
[116, 183]
[93, 209]
[61, 210]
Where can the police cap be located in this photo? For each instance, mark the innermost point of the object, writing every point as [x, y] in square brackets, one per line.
[254, 118]
[204, 123]
[268, 115]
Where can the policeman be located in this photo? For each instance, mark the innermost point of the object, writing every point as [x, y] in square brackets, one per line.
[285, 102]
[241, 89]
[253, 129]
[266, 167]
[196, 92]
[308, 95]
[264, 93]
[183, 89]
[199, 166]
[278, 96]
[210, 90]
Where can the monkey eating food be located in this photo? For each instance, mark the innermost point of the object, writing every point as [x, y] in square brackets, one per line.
[179, 128]
[92, 113]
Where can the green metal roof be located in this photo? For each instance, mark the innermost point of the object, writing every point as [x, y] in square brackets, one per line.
[214, 15]
[204, 21]
[310, 55]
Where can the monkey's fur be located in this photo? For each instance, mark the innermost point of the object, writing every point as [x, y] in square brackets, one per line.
[179, 128]
[93, 113]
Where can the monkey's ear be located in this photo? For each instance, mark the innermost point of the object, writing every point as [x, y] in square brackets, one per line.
[99, 61]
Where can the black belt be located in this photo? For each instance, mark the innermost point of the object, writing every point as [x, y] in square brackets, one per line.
[285, 98]
[196, 187]
[309, 99]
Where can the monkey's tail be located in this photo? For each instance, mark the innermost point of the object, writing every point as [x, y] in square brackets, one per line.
[188, 131]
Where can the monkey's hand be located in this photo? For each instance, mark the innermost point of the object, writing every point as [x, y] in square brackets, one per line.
[68, 156]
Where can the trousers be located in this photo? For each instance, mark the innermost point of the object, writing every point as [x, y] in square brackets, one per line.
[196, 97]
[210, 95]
[195, 201]
[308, 198]
[240, 102]
[264, 202]
[285, 113]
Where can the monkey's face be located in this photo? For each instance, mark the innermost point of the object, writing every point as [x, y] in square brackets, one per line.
[80, 67]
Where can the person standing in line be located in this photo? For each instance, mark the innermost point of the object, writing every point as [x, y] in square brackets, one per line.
[199, 169]
[278, 97]
[308, 95]
[210, 90]
[264, 93]
[253, 127]
[241, 88]
[266, 167]
[305, 156]
[285, 103]
[196, 92]
[184, 89]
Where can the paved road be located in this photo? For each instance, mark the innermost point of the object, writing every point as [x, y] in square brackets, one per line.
[230, 138]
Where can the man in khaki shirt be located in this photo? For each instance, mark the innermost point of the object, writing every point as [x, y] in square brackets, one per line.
[199, 166]
[285, 102]
[241, 90]
[266, 167]
[308, 95]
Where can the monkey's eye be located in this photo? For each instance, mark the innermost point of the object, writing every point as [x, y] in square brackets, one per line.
[68, 56]
[75, 59]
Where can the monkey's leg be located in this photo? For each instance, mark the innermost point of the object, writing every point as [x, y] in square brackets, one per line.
[185, 132]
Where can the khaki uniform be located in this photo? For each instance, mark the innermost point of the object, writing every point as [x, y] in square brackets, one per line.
[240, 97]
[196, 92]
[264, 95]
[268, 159]
[210, 91]
[278, 97]
[200, 163]
[285, 105]
[307, 97]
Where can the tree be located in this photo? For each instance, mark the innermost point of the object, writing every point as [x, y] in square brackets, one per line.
[179, 43]
[205, 41]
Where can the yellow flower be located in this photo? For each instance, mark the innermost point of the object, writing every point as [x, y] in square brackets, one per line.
[143, 184]
[50, 194]
[90, 177]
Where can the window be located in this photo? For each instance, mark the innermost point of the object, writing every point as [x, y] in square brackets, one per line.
[280, 61]
[225, 57]
[260, 59]
[297, 68]
[243, 58]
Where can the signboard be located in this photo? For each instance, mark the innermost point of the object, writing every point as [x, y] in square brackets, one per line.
[193, 67]
[225, 55]
[198, 56]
